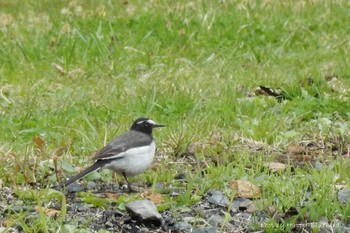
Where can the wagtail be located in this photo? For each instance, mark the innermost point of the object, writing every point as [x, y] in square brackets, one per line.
[128, 154]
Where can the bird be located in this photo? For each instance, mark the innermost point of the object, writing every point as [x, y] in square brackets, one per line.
[128, 154]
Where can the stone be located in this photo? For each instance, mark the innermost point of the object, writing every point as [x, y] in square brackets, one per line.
[182, 227]
[247, 206]
[91, 185]
[344, 196]
[159, 186]
[205, 230]
[77, 207]
[144, 211]
[318, 165]
[325, 227]
[276, 166]
[144, 230]
[236, 204]
[217, 221]
[217, 198]
[74, 188]
[111, 214]
[180, 176]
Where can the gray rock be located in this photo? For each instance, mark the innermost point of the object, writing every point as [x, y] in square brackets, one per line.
[74, 188]
[344, 196]
[325, 227]
[318, 165]
[262, 177]
[180, 176]
[159, 186]
[236, 203]
[182, 227]
[205, 230]
[217, 221]
[144, 230]
[247, 206]
[346, 228]
[217, 198]
[144, 211]
[91, 185]
[245, 216]
[109, 224]
[78, 207]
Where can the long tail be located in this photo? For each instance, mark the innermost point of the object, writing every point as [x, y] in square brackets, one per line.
[96, 166]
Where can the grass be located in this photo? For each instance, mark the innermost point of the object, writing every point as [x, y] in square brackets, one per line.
[77, 73]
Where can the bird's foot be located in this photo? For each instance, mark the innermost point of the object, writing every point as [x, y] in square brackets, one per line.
[129, 189]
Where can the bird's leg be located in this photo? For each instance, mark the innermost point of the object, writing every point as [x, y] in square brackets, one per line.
[129, 186]
[115, 180]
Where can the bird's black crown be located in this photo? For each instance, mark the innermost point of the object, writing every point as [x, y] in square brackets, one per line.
[145, 125]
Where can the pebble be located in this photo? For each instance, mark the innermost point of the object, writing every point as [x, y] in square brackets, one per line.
[324, 226]
[77, 207]
[217, 198]
[144, 230]
[111, 214]
[345, 228]
[180, 176]
[245, 216]
[236, 204]
[159, 187]
[144, 211]
[217, 221]
[91, 185]
[247, 206]
[182, 227]
[318, 165]
[205, 230]
[74, 188]
[344, 196]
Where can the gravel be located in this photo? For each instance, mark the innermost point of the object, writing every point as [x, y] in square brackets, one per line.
[209, 215]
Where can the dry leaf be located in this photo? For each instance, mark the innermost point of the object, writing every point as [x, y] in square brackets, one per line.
[276, 166]
[296, 149]
[271, 210]
[59, 69]
[59, 151]
[248, 206]
[112, 196]
[337, 85]
[38, 142]
[267, 91]
[336, 177]
[182, 32]
[250, 143]
[340, 186]
[154, 197]
[245, 189]
[7, 222]
[299, 153]
[5, 20]
[157, 198]
[47, 211]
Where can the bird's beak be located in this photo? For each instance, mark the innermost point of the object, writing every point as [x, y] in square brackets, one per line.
[158, 125]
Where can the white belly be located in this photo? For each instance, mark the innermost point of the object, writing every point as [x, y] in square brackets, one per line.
[133, 161]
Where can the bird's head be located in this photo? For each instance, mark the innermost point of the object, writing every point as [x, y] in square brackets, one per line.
[145, 125]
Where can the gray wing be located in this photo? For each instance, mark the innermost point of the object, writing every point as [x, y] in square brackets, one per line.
[122, 143]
